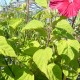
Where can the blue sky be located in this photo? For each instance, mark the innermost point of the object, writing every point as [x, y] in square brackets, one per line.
[2, 2]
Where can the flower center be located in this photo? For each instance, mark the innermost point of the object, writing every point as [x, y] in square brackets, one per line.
[70, 1]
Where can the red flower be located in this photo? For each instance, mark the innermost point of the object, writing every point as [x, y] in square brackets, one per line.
[68, 8]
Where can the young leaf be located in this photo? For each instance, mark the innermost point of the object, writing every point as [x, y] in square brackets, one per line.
[13, 23]
[35, 43]
[42, 3]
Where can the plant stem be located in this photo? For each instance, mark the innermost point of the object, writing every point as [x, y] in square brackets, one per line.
[64, 77]
[27, 9]
[73, 21]
[49, 30]
[48, 36]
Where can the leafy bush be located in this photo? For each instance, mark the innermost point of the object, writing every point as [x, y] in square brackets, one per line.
[44, 48]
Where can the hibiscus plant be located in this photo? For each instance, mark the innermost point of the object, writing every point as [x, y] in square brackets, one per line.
[46, 47]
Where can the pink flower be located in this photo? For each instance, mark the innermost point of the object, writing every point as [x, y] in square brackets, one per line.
[68, 8]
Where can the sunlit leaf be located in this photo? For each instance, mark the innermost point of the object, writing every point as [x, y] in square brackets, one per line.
[13, 23]
[27, 76]
[5, 48]
[35, 43]
[24, 59]
[34, 24]
[41, 58]
[63, 24]
[42, 3]
[69, 48]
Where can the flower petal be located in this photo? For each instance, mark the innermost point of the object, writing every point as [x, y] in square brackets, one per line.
[66, 7]
[55, 3]
[70, 11]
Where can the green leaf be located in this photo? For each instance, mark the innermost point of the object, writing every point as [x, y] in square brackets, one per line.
[54, 72]
[69, 48]
[41, 58]
[1, 30]
[9, 78]
[74, 66]
[34, 24]
[27, 76]
[66, 73]
[42, 3]
[63, 24]
[6, 77]
[2, 61]
[30, 51]
[42, 32]
[23, 6]
[71, 70]
[35, 43]
[5, 48]
[46, 14]
[19, 73]
[24, 59]
[13, 23]
[38, 15]
[65, 59]
[78, 70]
[61, 33]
